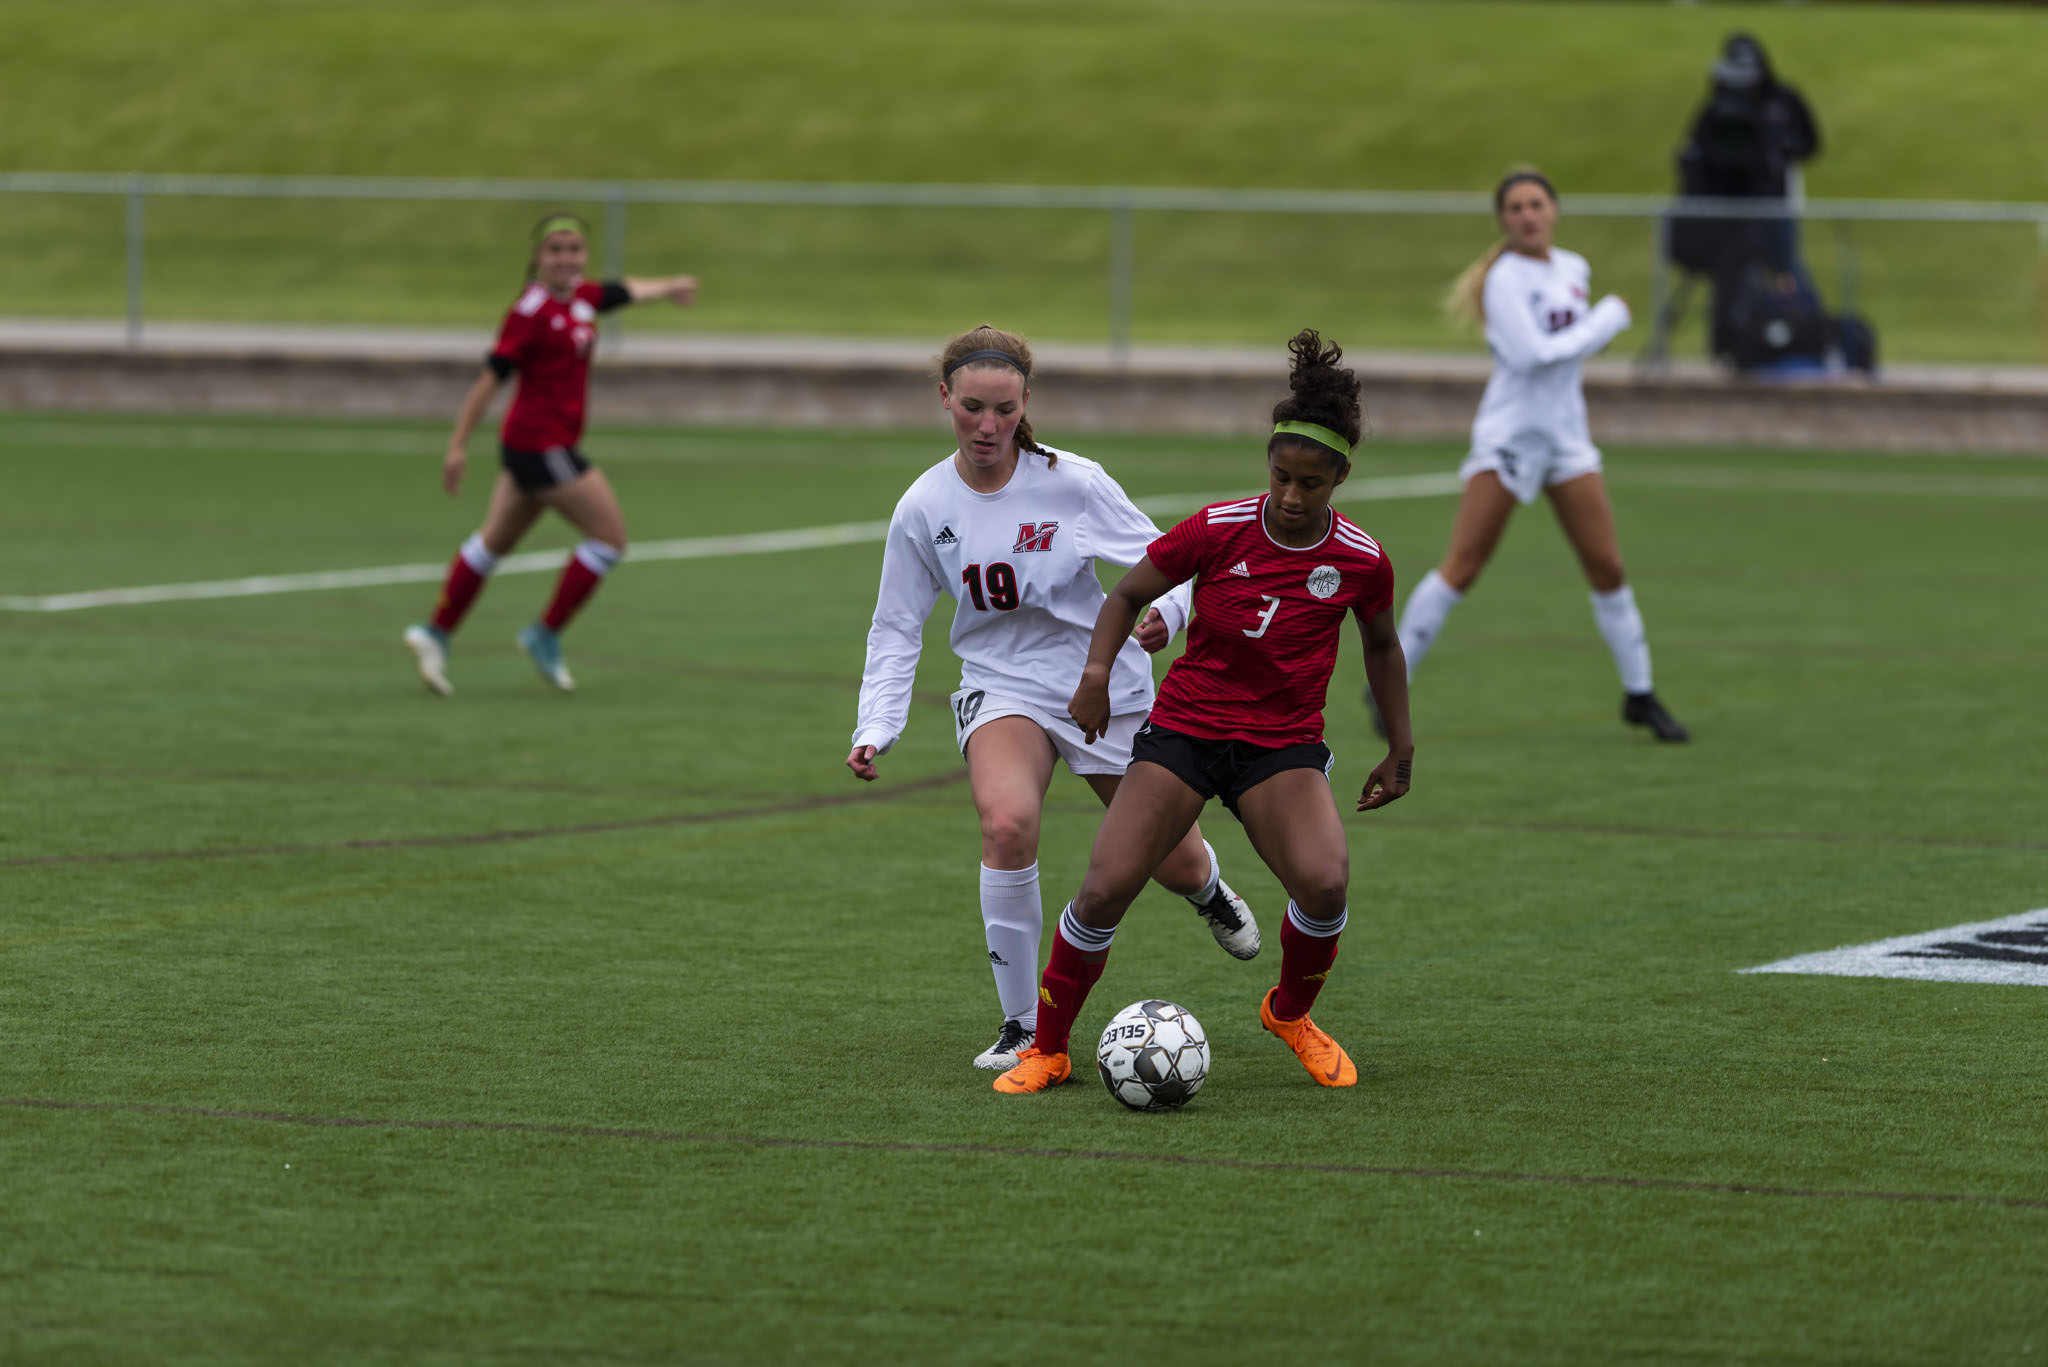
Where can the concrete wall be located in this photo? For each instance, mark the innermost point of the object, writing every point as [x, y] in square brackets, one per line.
[796, 383]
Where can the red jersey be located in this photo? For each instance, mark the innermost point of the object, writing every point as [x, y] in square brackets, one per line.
[548, 341]
[1264, 636]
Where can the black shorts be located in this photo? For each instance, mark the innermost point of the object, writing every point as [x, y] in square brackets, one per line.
[535, 470]
[1224, 768]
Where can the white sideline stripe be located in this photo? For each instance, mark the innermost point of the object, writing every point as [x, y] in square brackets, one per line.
[1382, 488]
[531, 562]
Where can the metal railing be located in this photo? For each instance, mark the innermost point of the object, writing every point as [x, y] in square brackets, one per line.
[1120, 204]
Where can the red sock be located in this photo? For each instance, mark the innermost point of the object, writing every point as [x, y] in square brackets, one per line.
[577, 583]
[1069, 975]
[458, 591]
[1305, 961]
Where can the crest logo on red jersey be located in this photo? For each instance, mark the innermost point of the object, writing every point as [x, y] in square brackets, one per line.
[1323, 581]
[1034, 536]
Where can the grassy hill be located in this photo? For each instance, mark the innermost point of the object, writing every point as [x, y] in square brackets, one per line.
[1914, 103]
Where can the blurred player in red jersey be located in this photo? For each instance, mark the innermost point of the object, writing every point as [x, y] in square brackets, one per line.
[545, 340]
[1240, 716]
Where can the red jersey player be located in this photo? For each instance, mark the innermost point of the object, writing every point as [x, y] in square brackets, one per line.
[545, 340]
[1240, 716]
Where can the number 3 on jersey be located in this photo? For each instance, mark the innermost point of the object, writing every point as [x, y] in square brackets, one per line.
[1265, 618]
[1002, 587]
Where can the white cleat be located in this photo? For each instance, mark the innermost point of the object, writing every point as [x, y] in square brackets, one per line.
[1230, 921]
[429, 646]
[1002, 1055]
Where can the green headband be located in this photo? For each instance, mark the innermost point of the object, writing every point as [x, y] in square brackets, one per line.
[560, 223]
[1321, 436]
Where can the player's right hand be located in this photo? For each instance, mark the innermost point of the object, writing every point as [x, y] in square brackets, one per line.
[1388, 782]
[452, 467]
[862, 761]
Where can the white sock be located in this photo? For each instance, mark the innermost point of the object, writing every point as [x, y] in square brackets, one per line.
[1423, 616]
[478, 556]
[599, 557]
[1308, 925]
[1094, 939]
[1622, 625]
[1012, 918]
[1201, 899]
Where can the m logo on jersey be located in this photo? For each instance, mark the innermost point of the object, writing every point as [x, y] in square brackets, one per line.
[1034, 536]
[945, 537]
[1324, 581]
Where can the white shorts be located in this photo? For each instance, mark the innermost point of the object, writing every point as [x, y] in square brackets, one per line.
[1111, 753]
[1532, 462]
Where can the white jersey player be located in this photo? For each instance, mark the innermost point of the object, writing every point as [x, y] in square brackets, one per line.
[1531, 425]
[1011, 530]
[1530, 436]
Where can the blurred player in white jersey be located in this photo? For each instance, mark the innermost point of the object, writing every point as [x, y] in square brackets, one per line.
[1530, 436]
[1012, 530]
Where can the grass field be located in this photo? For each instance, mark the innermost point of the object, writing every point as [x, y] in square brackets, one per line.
[347, 1024]
[1915, 103]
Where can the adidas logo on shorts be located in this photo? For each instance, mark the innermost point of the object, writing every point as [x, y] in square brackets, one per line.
[1239, 569]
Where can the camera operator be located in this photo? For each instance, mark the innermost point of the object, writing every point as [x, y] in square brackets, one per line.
[1745, 140]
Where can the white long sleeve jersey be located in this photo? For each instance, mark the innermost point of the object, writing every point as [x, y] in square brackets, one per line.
[1541, 331]
[1020, 565]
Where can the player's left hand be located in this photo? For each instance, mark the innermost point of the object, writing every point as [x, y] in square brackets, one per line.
[1386, 783]
[682, 290]
[1153, 633]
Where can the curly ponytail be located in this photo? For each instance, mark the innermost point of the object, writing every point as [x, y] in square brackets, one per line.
[1323, 393]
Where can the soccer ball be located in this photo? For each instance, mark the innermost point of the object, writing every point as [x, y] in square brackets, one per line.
[1154, 1056]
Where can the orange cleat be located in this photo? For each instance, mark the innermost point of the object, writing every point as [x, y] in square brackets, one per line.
[1035, 1072]
[1324, 1058]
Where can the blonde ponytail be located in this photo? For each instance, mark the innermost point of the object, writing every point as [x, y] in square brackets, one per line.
[1465, 301]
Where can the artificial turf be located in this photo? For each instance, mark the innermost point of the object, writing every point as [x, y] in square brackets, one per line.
[346, 1023]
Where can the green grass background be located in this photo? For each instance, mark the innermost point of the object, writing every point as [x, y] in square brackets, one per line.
[1915, 103]
[1539, 978]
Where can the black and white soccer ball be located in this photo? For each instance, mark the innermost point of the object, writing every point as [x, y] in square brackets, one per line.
[1154, 1056]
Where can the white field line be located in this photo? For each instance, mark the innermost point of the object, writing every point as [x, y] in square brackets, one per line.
[532, 562]
[1369, 489]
